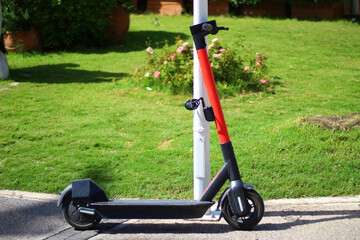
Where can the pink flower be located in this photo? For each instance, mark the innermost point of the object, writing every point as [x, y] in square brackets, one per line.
[172, 56]
[149, 50]
[263, 81]
[246, 68]
[136, 70]
[157, 74]
[211, 45]
[222, 50]
[180, 49]
[185, 44]
[257, 64]
[217, 55]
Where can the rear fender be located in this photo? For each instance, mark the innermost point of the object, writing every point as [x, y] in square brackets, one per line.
[63, 194]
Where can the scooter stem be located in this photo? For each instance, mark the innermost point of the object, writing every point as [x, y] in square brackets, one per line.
[213, 95]
[199, 32]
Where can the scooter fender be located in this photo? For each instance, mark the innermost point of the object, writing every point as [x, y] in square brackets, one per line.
[63, 194]
[227, 191]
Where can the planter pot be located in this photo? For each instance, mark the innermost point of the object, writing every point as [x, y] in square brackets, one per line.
[165, 7]
[119, 26]
[218, 7]
[22, 41]
[318, 10]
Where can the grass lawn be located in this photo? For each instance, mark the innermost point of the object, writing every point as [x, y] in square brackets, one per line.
[76, 115]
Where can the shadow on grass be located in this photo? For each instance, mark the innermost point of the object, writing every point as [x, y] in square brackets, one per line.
[138, 41]
[276, 81]
[62, 73]
[101, 176]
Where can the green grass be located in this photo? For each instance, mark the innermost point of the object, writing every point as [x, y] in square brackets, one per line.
[76, 115]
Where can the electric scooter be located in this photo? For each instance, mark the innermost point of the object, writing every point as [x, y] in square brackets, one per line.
[84, 203]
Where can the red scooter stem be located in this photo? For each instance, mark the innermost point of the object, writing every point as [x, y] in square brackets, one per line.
[213, 95]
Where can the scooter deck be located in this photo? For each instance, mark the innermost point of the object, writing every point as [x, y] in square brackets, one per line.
[152, 209]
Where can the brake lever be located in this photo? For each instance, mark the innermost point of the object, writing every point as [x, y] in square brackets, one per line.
[223, 28]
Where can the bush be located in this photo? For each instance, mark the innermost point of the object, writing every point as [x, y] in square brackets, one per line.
[171, 69]
[15, 16]
[70, 23]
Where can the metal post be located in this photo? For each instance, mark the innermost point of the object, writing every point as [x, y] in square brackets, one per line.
[201, 129]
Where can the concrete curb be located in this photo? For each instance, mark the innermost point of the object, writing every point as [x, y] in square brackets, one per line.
[29, 195]
[317, 200]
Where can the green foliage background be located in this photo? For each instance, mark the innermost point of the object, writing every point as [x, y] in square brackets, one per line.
[69, 23]
[64, 23]
[15, 17]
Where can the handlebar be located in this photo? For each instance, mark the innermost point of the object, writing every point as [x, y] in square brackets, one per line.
[212, 29]
[200, 31]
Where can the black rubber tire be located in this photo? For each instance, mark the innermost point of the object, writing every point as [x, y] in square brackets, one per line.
[73, 218]
[250, 220]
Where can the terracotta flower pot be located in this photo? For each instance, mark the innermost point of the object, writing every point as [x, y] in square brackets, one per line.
[22, 41]
[119, 26]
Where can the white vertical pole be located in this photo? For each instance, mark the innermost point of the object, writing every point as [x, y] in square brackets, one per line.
[201, 129]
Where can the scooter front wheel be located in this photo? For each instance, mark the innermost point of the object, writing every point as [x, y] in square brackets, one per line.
[252, 218]
[74, 218]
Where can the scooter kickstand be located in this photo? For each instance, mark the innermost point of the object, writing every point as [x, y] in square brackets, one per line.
[213, 214]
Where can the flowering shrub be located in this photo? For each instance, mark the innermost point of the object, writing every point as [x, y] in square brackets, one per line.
[172, 69]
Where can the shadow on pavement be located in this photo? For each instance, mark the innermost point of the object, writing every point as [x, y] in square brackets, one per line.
[289, 219]
[298, 218]
[19, 217]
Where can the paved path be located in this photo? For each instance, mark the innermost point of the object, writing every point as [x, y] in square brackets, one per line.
[35, 216]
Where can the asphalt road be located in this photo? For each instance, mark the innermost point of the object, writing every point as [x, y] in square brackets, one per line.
[35, 216]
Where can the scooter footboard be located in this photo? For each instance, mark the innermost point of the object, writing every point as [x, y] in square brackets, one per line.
[152, 209]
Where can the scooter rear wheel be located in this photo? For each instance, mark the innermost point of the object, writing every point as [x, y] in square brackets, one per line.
[74, 218]
[252, 218]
